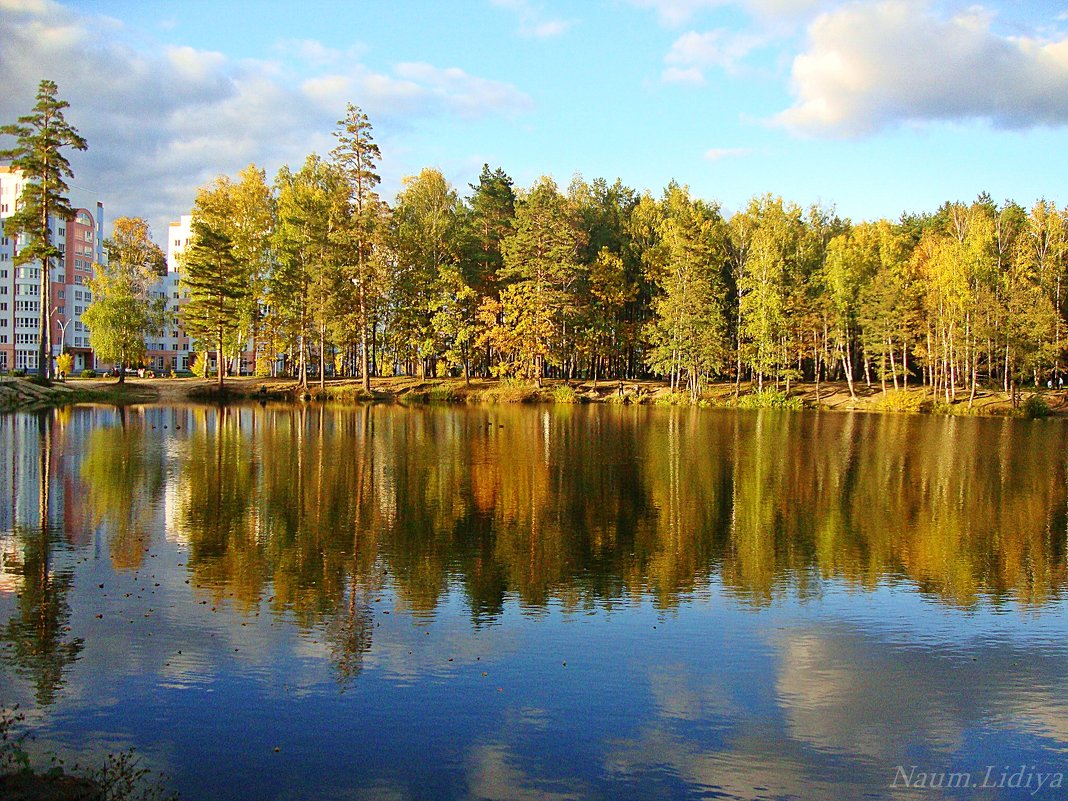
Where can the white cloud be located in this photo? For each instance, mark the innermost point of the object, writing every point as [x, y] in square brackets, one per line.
[720, 153]
[719, 48]
[690, 75]
[532, 19]
[868, 66]
[674, 13]
[161, 121]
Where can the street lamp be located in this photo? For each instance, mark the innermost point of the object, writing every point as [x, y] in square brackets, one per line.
[62, 331]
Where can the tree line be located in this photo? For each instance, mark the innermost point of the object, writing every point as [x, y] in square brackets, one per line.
[600, 281]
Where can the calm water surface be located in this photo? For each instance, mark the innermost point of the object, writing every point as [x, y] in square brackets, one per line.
[539, 602]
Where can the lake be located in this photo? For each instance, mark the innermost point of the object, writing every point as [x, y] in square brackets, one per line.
[540, 602]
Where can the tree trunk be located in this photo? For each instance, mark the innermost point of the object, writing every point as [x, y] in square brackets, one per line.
[893, 365]
[816, 364]
[220, 362]
[322, 358]
[365, 371]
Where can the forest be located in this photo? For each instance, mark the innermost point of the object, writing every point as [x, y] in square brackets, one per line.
[598, 280]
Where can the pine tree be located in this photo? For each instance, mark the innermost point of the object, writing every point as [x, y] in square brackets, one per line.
[541, 264]
[37, 154]
[245, 210]
[213, 277]
[357, 155]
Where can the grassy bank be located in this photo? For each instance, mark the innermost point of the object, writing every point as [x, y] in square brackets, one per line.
[26, 393]
[22, 393]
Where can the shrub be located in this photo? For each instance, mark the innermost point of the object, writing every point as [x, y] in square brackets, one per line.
[89, 373]
[562, 393]
[200, 365]
[900, 400]
[1034, 406]
[443, 393]
[672, 399]
[64, 364]
[769, 399]
[18, 372]
[510, 390]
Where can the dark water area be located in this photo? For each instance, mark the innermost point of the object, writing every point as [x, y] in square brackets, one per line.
[388, 602]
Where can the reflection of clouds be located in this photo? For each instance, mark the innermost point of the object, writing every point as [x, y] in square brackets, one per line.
[835, 710]
[853, 699]
[676, 696]
[406, 654]
[1043, 711]
[753, 767]
[493, 775]
[850, 693]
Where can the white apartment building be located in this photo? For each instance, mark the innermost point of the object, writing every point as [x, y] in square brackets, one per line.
[81, 241]
[170, 349]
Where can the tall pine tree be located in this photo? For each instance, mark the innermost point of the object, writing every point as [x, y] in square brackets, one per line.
[217, 291]
[37, 154]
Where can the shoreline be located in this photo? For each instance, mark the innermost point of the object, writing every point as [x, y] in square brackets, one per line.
[22, 394]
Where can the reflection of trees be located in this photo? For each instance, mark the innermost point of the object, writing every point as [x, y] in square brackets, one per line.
[963, 508]
[36, 633]
[315, 506]
[350, 632]
[122, 473]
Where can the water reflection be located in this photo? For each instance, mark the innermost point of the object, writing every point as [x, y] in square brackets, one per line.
[570, 602]
[35, 639]
[314, 506]
[586, 507]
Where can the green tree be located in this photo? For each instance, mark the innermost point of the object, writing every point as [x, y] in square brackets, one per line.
[455, 320]
[309, 279]
[541, 266]
[40, 137]
[213, 276]
[487, 218]
[688, 334]
[357, 156]
[423, 242]
[245, 211]
[123, 311]
[763, 285]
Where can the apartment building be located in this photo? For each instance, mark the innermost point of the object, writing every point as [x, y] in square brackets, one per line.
[171, 348]
[81, 242]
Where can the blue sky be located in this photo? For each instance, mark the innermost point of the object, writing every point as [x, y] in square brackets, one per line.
[876, 107]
